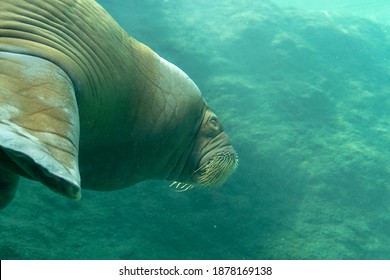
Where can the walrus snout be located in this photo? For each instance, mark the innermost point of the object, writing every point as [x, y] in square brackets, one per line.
[216, 170]
[217, 159]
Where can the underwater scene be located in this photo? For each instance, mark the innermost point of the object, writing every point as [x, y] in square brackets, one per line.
[303, 91]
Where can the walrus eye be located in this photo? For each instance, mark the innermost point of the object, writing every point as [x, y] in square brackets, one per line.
[214, 124]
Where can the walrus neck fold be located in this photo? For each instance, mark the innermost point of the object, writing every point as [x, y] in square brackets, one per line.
[184, 164]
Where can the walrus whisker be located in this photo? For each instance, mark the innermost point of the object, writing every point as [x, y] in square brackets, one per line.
[217, 169]
[212, 173]
[175, 184]
[181, 187]
[188, 187]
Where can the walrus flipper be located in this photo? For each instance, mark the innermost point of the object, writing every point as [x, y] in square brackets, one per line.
[39, 123]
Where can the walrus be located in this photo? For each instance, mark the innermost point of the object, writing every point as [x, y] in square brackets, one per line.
[85, 105]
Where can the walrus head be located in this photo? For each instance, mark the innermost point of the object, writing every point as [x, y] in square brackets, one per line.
[201, 154]
[218, 159]
[213, 156]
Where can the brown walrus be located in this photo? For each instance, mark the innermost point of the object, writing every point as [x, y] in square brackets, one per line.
[83, 104]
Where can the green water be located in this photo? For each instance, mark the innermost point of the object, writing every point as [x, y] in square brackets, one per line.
[305, 96]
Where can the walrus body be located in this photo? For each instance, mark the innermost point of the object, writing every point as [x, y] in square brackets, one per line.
[82, 104]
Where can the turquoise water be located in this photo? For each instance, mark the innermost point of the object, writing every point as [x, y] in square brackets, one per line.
[304, 93]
